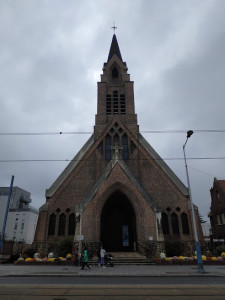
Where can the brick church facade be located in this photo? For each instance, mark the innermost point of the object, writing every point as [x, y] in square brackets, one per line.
[117, 191]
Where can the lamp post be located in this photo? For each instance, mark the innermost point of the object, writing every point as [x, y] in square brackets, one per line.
[197, 245]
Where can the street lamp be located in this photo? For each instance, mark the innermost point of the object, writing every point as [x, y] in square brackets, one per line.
[197, 245]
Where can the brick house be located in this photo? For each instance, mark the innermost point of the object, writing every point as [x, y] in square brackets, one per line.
[217, 210]
[117, 191]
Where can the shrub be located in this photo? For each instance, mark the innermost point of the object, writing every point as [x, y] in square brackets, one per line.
[173, 248]
[220, 249]
[65, 247]
[30, 252]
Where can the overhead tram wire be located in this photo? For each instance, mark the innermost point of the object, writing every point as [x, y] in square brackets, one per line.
[90, 132]
[70, 160]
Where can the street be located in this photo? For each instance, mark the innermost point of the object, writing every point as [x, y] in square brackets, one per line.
[92, 280]
[154, 288]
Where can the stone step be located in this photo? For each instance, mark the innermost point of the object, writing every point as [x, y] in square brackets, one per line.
[126, 258]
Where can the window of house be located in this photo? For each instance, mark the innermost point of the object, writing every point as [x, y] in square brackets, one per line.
[217, 196]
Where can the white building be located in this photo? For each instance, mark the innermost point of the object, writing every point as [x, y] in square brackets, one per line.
[22, 218]
[206, 230]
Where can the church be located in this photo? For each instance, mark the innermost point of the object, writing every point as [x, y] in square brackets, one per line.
[117, 191]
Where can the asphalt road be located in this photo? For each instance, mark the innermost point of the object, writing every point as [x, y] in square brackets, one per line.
[94, 280]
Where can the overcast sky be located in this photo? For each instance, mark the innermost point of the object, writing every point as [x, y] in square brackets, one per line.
[51, 57]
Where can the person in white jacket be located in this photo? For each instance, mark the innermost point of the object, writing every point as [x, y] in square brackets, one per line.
[102, 253]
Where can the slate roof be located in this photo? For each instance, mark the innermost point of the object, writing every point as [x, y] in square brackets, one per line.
[222, 183]
[163, 165]
[114, 49]
[71, 166]
[145, 144]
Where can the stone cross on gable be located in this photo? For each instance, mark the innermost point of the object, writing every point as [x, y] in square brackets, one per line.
[116, 151]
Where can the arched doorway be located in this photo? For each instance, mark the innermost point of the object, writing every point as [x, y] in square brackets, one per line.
[118, 224]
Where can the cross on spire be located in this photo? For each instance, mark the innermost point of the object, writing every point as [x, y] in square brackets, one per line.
[114, 27]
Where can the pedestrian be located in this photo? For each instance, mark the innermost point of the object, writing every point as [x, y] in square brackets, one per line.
[102, 253]
[76, 257]
[98, 257]
[85, 260]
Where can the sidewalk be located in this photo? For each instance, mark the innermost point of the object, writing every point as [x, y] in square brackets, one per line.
[120, 270]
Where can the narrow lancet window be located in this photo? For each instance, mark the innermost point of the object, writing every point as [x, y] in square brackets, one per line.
[108, 147]
[62, 224]
[51, 225]
[165, 223]
[115, 73]
[184, 221]
[71, 227]
[125, 147]
[175, 224]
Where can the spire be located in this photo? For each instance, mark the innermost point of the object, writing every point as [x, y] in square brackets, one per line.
[114, 49]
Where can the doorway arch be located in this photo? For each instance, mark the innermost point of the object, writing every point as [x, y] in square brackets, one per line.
[118, 224]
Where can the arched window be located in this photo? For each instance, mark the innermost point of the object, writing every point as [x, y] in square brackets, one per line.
[62, 224]
[165, 223]
[108, 146]
[125, 147]
[71, 227]
[175, 224]
[184, 221]
[115, 73]
[116, 140]
[51, 224]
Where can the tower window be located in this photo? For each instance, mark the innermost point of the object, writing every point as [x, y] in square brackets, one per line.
[122, 104]
[115, 102]
[108, 105]
[115, 73]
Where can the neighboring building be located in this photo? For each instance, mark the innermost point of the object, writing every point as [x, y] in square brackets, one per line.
[117, 191]
[217, 210]
[21, 219]
[206, 230]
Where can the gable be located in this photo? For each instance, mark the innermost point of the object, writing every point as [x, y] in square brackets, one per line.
[109, 171]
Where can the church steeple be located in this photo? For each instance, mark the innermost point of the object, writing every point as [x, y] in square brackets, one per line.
[115, 93]
[114, 49]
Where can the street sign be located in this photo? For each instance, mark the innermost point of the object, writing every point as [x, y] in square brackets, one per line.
[80, 237]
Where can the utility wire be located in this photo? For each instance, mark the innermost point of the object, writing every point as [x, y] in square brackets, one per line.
[69, 160]
[90, 132]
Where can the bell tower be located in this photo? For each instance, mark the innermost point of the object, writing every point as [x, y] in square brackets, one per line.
[115, 93]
